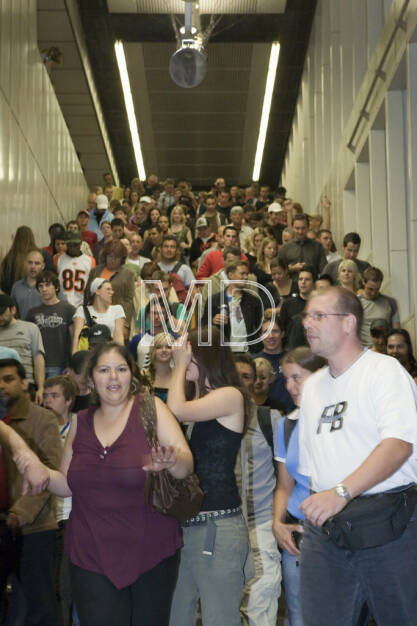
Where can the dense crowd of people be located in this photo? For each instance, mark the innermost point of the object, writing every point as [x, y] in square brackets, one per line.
[273, 367]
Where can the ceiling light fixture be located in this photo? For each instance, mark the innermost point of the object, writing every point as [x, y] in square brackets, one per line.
[130, 109]
[266, 109]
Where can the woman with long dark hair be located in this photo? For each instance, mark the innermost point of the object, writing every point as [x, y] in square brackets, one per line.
[123, 556]
[113, 257]
[216, 540]
[13, 265]
[101, 311]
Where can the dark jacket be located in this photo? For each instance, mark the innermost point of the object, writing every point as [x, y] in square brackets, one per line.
[252, 312]
[292, 322]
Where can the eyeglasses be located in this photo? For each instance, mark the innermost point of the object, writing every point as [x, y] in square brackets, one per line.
[317, 316]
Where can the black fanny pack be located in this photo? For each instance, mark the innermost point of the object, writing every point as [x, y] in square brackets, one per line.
[371, 521]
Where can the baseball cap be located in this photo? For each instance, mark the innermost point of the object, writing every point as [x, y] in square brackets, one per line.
[73, 236]
[6, 302]
[236, 209]
[102, 201]
[99, 333]
[145, 199]
[9, 353]
[275, 207]
[83, 211]
[201, 222]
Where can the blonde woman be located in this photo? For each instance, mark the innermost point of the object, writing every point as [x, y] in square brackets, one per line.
[161, 364]
[267, 252]
[265, 376]
[180, 230]
[252, 245]
[349, 276]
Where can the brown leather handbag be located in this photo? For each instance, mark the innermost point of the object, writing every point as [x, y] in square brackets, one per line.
[178, 497]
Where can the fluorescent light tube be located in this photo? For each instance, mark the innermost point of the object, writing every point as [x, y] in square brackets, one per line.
[130, 109]
[266, 109]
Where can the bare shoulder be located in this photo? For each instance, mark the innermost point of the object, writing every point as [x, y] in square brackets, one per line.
[232, 393]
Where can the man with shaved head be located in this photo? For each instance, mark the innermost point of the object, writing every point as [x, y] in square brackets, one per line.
[358, 426]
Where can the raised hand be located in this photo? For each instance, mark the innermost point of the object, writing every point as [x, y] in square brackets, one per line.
[162, 457]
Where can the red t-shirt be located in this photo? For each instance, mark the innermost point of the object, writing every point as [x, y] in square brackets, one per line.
[89, 237]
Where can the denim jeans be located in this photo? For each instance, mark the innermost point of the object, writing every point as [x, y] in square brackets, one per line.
[217, 579]
[335, 583]
[291, 578]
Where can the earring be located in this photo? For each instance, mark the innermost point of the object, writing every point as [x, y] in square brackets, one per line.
[133, 387]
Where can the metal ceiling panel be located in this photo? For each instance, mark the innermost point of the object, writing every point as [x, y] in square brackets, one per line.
[51, 5]
[54, 27]
[197, 103]
[68, 79]
[206, 6]
[211, 139]
[212, 129]
[199, 123]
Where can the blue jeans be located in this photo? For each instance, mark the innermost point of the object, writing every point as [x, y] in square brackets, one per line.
[291, 578]
[335, 583]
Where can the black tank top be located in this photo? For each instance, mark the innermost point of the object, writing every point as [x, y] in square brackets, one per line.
[215, 449]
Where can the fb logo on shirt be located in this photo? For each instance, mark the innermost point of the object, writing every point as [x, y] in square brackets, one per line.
[332, 414]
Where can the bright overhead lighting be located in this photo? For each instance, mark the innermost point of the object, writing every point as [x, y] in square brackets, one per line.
[130, 109]
[266, 109]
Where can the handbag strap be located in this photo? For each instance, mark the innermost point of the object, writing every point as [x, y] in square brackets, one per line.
[88, 318]
[148, 417]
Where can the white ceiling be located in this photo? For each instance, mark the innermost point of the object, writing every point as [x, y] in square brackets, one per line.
[206, 6]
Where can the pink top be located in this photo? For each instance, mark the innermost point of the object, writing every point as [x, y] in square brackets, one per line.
[111, 530]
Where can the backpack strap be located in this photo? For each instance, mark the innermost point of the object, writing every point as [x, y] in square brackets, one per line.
[176, 267]
[264, 420]
[289, 426]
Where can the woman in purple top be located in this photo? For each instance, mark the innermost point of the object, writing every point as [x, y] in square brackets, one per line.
[123, 556]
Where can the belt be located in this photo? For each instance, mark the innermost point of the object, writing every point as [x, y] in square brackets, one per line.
[208, 518]
[203, 518]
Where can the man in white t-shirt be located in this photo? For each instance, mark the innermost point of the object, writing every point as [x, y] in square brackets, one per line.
[73, 269]
[358, 428]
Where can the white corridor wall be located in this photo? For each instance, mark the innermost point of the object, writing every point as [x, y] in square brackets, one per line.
[354, 134]
[41, 180]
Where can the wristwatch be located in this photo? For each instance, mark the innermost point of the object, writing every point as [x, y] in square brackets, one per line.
[341, 490]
